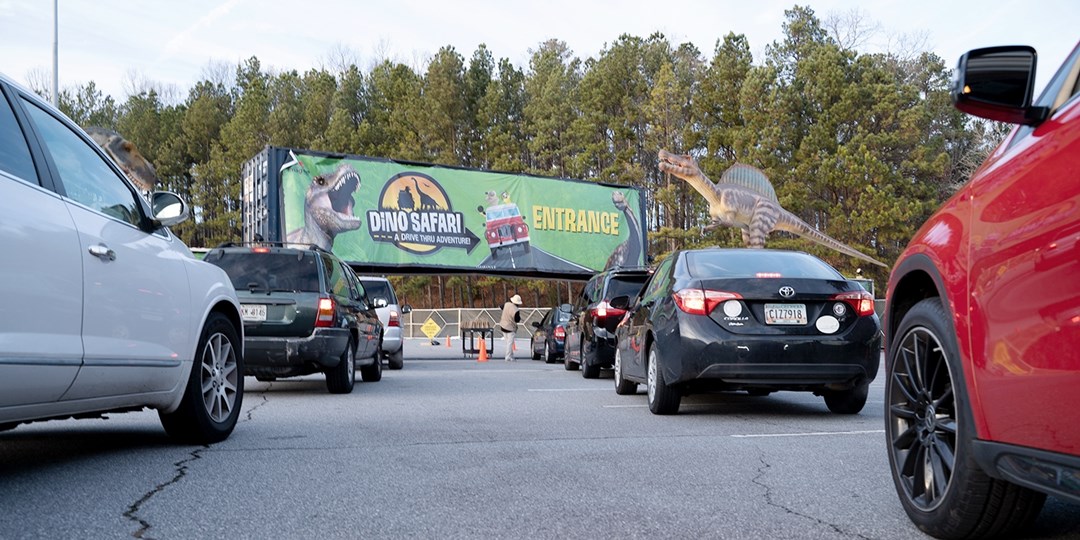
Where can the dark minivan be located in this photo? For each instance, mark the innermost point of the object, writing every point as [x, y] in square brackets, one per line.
[590, 334]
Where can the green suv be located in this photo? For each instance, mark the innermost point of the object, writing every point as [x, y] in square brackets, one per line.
[304, 312]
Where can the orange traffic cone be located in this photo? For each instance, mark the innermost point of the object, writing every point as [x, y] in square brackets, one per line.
[513, 346]
[447, 342]
[483, 351]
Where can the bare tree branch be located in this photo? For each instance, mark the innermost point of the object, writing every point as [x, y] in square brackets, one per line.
[851, 29]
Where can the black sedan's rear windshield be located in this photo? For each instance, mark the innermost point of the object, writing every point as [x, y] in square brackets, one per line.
[749, 263]
[285, 271]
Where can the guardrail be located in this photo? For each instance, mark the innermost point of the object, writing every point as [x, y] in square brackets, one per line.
[449, 321]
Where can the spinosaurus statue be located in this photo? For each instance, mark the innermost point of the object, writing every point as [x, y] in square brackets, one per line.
[127, 156]
[745, 198]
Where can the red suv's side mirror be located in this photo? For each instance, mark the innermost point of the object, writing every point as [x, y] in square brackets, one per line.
[997, 83]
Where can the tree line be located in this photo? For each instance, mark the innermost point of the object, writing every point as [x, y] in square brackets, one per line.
[861, 146]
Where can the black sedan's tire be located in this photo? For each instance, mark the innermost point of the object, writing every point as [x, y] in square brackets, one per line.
[663, 399]
[849, 401]
[215, 388]
[532, 347]
[341, 378]
[623, 387]
[396, 359]
[549, 355]
[929, 430]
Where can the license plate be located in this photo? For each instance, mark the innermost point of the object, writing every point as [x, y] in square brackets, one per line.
[253, 312]
[785, 313]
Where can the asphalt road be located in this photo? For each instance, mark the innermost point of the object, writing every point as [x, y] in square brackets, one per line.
[450, 447]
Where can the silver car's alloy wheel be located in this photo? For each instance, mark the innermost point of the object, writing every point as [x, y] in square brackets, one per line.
[218, 377]
[922, 411]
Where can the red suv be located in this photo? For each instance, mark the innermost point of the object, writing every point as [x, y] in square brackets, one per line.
[983, 317]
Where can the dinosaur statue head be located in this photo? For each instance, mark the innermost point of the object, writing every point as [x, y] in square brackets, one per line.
[127, 156]
[328, 205]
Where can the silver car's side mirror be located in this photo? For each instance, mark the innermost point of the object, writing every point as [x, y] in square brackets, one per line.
[169, 208]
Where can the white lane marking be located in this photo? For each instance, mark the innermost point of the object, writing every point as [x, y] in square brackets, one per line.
[625, 406]
[810, 434]
[569, 390]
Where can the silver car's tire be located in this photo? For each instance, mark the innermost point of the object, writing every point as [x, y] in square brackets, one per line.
[663, 399]
[396, 360]
[215, 388]
[622, 386]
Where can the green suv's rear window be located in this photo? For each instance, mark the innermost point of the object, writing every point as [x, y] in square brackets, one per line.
[280, 271]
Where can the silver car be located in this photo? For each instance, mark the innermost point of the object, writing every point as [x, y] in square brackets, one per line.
[381, 293]
[103, 309]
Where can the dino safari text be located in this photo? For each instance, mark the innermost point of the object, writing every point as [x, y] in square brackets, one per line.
[415, 214]
[549, 218]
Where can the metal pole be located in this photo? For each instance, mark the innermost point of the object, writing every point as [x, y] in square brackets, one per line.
[55, 55]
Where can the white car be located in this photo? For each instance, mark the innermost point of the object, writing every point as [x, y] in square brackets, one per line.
[102, 309]
[381, 293]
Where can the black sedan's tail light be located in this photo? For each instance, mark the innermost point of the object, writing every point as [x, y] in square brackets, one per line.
[861, 301]
[702, 301]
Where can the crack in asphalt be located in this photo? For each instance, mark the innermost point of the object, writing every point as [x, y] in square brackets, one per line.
[265, 400]
[181, 468]
[132, 512]
[769, 501]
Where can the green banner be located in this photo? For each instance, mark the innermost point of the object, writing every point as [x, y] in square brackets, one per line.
[382, 213]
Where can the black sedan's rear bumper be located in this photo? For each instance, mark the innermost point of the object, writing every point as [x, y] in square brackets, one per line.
[702, 354]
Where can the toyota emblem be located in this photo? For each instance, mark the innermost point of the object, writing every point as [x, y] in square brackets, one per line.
[787, 292]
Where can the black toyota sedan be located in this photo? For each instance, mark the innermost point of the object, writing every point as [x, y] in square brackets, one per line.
[756, 320]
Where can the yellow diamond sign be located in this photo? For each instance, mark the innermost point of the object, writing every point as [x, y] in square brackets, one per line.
[430, 328]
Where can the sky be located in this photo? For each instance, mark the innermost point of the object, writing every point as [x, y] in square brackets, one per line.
[124, 45]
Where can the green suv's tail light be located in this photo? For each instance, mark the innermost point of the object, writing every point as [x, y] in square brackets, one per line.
[326, 312]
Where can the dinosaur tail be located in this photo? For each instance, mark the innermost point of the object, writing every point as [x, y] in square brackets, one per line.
[792, 224]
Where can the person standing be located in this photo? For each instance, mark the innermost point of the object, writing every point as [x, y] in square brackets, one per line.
[508, 322]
